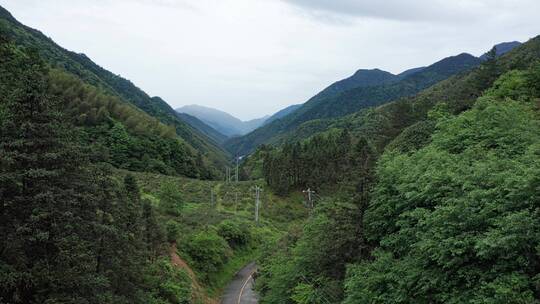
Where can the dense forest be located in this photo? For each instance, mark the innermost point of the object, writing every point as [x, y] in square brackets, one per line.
[447, 213]
[86, 217]
[65, 221]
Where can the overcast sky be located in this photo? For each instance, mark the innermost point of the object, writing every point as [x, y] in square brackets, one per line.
[254, 57]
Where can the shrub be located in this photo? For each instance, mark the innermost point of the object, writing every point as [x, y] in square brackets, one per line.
[170, 198]
[167, 284]
[236, 233]
[172, 230]
[208, 251]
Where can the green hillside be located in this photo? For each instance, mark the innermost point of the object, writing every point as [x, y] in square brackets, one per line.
[108, 83]
[202, 127]
[80, 226]
[401, 118]
[428, 196]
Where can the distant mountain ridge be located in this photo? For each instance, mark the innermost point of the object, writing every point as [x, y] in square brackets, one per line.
[502, 48]
[221, 121]
[282, 113]
[410, 72]
[365, 88]
[196, 123]
[361, 78]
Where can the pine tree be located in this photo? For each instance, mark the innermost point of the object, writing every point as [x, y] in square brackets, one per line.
[44, 254]
[153, 234]
[364, 161]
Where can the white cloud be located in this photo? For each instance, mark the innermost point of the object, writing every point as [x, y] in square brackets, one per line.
[253, 57]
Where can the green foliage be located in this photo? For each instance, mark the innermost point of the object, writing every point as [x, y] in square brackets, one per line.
[315, 265]
[456, 221]
[512, 84]
[322, 161]
[70, 232]
[317, 161]
[170, 199]
[208, 252]
[121, 134]
[251, 167]
[41, 235]
[98, 106]
[413, 137]
[533, 79]
[167, 284]
[452, 218]
[153, 234]
[305, 294]
[236, 233]
[173, 229]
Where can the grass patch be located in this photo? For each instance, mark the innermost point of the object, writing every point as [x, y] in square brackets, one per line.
[240, 259]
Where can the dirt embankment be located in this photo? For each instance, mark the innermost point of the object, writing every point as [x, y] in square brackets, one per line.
[199, 295]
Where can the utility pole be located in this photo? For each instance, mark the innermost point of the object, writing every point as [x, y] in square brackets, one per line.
[235, 201]
[237, 159]
[310, 194]
[228, 174]
[257, 202]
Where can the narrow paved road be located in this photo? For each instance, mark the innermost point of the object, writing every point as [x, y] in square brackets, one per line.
[240, 290]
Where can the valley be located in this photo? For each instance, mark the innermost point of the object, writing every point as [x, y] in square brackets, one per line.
[414, 187]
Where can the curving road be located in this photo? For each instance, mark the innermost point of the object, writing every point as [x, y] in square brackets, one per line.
[240, 290]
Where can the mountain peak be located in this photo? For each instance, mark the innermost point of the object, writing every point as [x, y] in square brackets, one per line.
[502, 48]
[361, 72]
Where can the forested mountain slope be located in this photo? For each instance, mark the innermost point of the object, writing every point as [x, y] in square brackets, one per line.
[202, 127]
[360, 79]
[405, 118]
[107, 82]
[427, 199]
[75, 229]
[463, 87]
[350, 101]
[70, 232]
[282, 113]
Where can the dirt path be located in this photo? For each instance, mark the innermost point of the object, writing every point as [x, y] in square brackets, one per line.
[240, 289]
